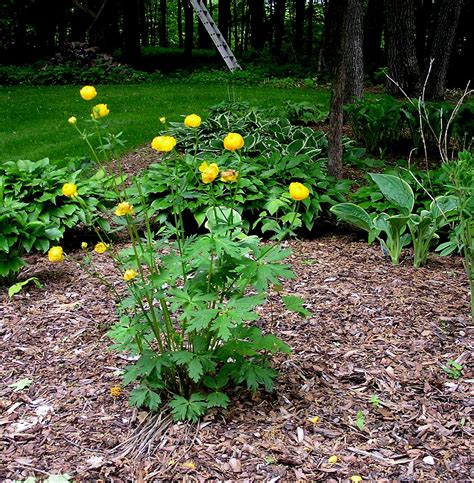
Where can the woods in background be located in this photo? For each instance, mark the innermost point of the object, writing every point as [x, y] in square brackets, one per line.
[399, 34]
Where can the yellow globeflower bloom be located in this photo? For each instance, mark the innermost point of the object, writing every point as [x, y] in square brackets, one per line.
[356, 478]
[163, 143]
[314, 419]
[332, 459]
[115, 391]
[298, 191]
[209, 172]
[229, 176]
[55, 254]
[84, 245]
[101, 247]
[129, 274]
[233, 141]
[163, 120]
[124, 208]
[101, 110]
[69, 190]
[193, 120]
[72, 120]
[88, 93]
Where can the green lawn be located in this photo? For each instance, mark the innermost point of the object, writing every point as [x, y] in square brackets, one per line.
[34, 119]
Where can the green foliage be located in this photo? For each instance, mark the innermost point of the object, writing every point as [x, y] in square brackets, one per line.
[360, 421]
[376, 122]
[423, 226]
[18, 287]
[381, 123]
[453, 369]
[274, 152]
[33, 212]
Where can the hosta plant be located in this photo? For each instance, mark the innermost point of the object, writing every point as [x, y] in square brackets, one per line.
[193, 302]
[395, 231]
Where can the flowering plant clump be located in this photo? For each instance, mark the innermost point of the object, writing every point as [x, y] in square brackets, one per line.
[101, 110]
[193, 300]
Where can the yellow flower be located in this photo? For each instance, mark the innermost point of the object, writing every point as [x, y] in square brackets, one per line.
[163, 120]
[69, 190]
[192, 120]
[101, 247]
[229, 176]
[314, 419]
[209, 172]
[233, 141]
[101, 110]
[84, 245]
[88, 93]
[129, 274]
[115, 391]
[356, 478]
[298, 191]
[55, 254]
[163, 143]
[72, 120]
[124, 208]
[190, 465]
[332, 459]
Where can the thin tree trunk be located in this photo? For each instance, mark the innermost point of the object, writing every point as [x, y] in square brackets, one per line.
[131, 31]
[299, 23]
[400, 47]
[279, 23]
[180, 24]
[373, 29]
[257, 31]
[309, 33]
[444, 34]
[339, 42]
[223, 21]
[162, 27]
[188, 29]
[353, 54]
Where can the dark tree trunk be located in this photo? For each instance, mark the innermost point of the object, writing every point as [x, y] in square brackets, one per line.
[223, 21]
[373, 29]
[204, 39]
[400, 48]
[131, 31]
[188, 29]
[144, 30]
[338, 42]
[279, 24]
[444, 33]
[179, 19]
[257, 32]
[309, 33]
[162, 27]
[299, 23]
[353, 54]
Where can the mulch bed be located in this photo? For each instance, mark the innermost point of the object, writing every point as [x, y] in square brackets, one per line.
[374, 329]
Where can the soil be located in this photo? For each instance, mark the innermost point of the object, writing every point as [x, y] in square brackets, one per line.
[374, 331]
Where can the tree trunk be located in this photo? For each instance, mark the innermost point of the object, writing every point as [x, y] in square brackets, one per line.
[131, 31]
[257, 31]
[204, 40]
[223, 21]
[339, 42]
[299, 24]
[373, 28]
[162, 27]
[279, 24]
[353, 54]
[188, 29]
[309, 33]
[179, 19]
[402, 61]
[444, 33]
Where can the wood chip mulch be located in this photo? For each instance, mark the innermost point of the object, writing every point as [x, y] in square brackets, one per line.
[374, 330]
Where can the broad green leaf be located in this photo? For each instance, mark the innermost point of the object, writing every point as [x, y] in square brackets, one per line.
[190, 409]
[217, 399]
[353, 214]
[396, 190]
[295, 304]
[18, 287]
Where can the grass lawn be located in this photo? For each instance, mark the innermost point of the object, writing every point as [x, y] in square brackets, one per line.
[34, 119]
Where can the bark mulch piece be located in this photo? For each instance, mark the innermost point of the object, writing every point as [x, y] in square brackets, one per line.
[374, 330]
